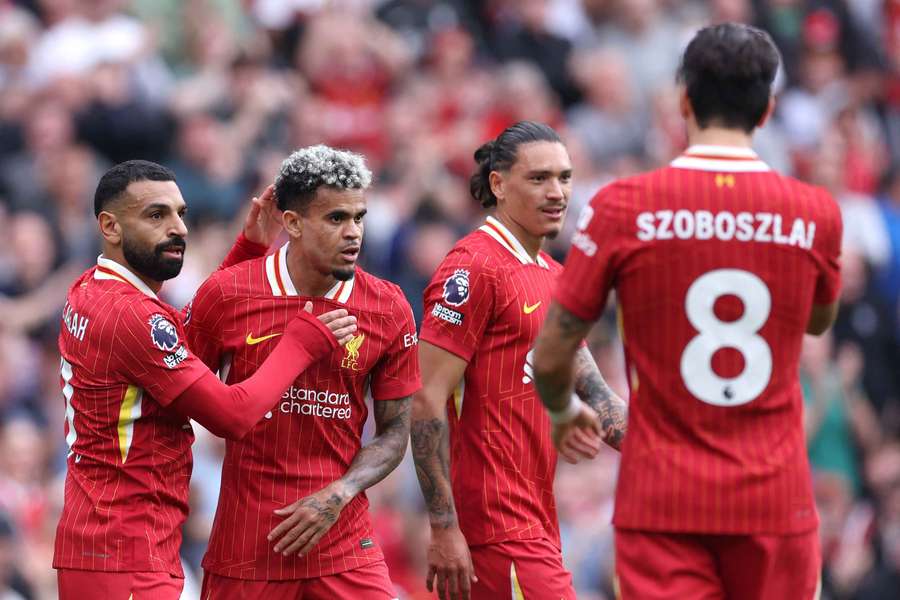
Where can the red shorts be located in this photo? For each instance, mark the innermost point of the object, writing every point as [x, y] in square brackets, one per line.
[529, 569]
[75, 584]
[371, 581]
[669, 566]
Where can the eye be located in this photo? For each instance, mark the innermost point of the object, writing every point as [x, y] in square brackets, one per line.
[156, 215]
[336, 219]
[566, 177]
[358, 219]
[538, 178]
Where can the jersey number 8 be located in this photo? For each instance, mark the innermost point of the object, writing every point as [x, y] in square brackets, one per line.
[714, 334]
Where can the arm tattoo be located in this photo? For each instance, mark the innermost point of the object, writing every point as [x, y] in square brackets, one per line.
[430, 447]
[382, 455]
[592, 389]
[555, 351]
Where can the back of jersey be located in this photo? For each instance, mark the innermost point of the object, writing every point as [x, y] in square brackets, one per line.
[717, 262]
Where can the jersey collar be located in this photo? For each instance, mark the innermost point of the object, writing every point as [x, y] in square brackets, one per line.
[505, 238]
[728, 159]
[110, 269]
[281, 284]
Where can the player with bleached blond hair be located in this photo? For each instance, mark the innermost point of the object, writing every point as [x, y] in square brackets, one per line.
[292, 519]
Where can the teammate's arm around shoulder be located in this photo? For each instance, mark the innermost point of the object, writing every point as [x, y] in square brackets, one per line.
[449, 560]
[827, 250]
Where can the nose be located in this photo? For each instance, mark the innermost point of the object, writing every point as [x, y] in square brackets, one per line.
[555, 191]
[353, 230]
[177, 227]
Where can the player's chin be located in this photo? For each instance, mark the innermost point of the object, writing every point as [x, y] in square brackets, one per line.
[169, 269]
[344, 273]
[551, 230]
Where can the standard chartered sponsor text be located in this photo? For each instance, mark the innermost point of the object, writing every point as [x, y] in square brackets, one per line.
[317, 403]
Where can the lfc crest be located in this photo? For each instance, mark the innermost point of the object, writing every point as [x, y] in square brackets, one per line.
[351, 359]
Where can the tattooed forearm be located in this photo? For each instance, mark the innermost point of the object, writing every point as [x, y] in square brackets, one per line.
[554, 353]
[430, 447]
[382, 455]
[592, 389]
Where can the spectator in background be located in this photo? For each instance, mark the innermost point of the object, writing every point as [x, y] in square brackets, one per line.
[523, 35]
[611, 119]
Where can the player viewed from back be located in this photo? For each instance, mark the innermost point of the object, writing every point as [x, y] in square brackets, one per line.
[292, 520]
[494, 528]
[130, 383]
[719, 266]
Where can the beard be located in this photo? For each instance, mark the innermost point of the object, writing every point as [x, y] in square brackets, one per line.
[345, 274]
[150, 262]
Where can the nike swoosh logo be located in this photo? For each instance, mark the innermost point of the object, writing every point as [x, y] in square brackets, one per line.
[252, 341]
[530, 309]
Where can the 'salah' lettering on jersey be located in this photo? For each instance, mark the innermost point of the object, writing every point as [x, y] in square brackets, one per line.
[75, 324]
[762, 227]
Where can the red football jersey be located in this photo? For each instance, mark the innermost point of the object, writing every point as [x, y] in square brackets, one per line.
[716, 261]
[485, 304]
[312, 435]
[129, 463]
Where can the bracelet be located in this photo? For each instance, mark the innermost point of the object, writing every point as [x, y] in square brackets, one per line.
[568, 414]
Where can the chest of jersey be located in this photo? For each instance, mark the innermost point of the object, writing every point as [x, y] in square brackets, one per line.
[522, 298]
[257, 324]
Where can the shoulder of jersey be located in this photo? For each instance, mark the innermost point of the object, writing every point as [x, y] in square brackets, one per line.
[374, 294]
[245, 278]
[480, 249]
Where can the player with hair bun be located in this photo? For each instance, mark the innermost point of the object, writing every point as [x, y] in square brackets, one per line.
[494, 529]
[292, 519]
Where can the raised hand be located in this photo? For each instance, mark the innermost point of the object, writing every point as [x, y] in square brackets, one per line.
[263, 222]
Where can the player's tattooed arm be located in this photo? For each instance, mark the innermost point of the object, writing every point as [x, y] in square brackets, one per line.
[431, 453]
[310, 518]
[554, 354]
[593, 390]
[382, 455]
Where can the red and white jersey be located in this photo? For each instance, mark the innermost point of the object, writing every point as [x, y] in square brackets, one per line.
[486, 304]
[129, 463]
[311, 436]
[716, 261]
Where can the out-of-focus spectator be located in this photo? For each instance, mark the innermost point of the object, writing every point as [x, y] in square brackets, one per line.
[611, 120]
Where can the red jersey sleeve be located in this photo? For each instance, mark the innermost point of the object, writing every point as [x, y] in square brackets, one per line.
[459, 303]
[827, 252]
[150, 350]
[203, 317]
[585, 282]
[397, 374]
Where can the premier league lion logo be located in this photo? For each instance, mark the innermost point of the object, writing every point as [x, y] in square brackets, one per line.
[163, 333]
[456, 288]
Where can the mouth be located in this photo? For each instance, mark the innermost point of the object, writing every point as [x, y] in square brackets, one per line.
[173, 252]
[350, 254]
[554, 213]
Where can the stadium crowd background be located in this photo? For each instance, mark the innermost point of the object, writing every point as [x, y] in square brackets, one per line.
[222, 90]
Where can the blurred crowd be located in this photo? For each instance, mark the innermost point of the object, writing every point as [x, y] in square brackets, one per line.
[222, 90]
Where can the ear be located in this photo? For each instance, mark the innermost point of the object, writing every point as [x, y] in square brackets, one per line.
[684, 103]
[495, 179]
[292, 223]
[110, 228]
[769, 110]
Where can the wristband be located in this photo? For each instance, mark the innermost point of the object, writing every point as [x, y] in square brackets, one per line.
[568, 414]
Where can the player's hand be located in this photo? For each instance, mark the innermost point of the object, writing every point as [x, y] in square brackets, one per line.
[580, 438]
[341, 324]
[263, 223]
[450, 569]
[307, 520]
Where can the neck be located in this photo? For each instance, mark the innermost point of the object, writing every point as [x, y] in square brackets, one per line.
[719, 136]
[307, 281]
[531, 243]
[115, 254]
